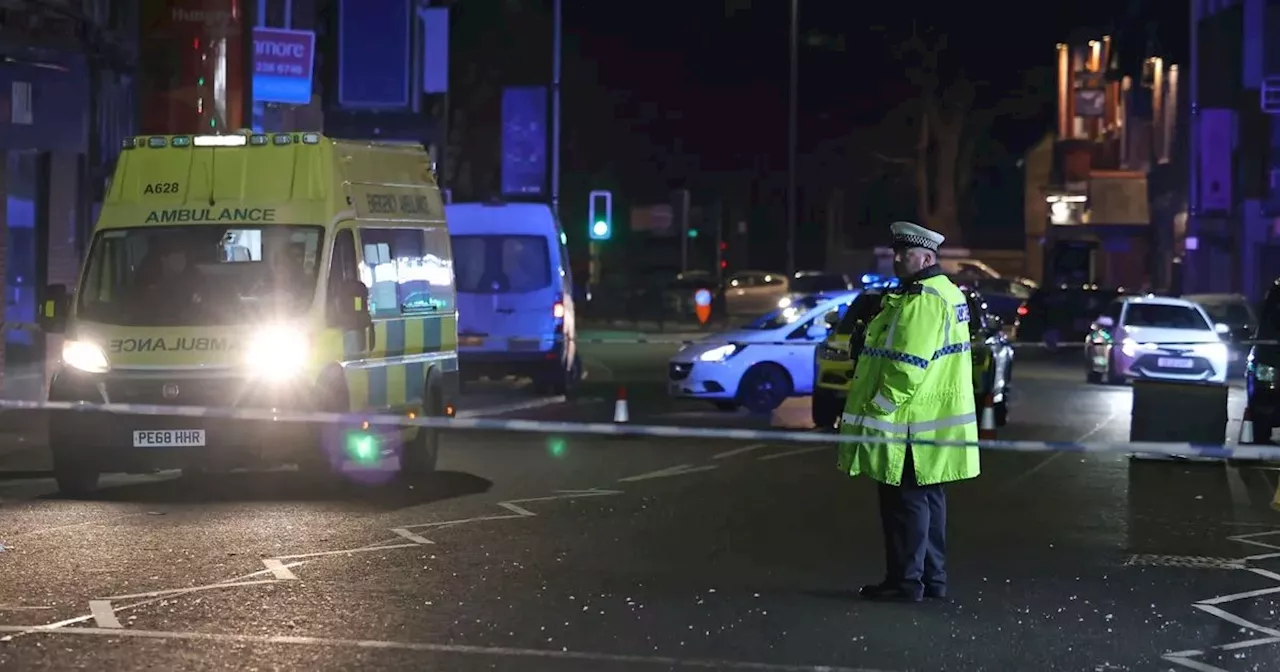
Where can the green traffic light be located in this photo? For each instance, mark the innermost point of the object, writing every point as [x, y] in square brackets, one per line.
[693, 233]
[600, 228]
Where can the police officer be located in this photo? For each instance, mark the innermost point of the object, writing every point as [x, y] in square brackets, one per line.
[913, 382]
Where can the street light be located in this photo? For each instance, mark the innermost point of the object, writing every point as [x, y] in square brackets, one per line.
[792, 131]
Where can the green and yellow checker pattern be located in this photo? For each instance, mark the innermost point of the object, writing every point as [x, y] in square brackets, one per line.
[392, 376]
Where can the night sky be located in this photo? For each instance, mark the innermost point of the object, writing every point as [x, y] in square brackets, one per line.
[668, 93]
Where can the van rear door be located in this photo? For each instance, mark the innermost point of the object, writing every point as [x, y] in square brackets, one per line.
[506, 292]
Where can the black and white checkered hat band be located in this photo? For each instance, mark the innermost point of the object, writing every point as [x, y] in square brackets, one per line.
[911, 240]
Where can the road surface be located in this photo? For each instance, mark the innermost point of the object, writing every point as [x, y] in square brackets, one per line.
[576, 553]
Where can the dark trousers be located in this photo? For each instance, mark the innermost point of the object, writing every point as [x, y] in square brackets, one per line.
[914, 518]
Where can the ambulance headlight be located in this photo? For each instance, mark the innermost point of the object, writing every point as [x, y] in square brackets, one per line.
[278, 353]
[84, 356]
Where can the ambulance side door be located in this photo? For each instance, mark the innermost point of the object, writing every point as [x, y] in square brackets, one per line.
[344, 269]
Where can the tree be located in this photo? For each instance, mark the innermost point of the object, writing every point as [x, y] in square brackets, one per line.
[941, 163]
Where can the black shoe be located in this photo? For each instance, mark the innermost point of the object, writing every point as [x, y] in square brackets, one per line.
[935, 592]
[880, 592]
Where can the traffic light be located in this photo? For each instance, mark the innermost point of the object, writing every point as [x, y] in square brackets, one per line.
[600, 215]
[693, 233]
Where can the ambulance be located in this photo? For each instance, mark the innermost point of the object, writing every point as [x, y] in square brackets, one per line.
[260, 273]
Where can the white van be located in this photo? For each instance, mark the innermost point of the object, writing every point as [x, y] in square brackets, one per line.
[515, 294]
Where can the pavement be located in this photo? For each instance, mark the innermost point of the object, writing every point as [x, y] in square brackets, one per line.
[577, 553]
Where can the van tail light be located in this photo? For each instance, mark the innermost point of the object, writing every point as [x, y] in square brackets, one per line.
[1022, 310]
[557, 311]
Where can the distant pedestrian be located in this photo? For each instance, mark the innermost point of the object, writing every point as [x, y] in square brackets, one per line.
[913, 382]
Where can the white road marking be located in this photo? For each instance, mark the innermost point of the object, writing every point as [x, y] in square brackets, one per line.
[7, 607]
[275, 565]
[516, 509]
[278, 569]
[1241, 596]
[1008, 485]
[103, 615]
[793, 453]
[1193, 664]
[344, 551]
[428, 647]
[1184, 658]
[411, 536]
[81, 619]
[183, 591]
[1237, 620]
[679, 470]
[502, 409]
[739, 451]
[70, 526]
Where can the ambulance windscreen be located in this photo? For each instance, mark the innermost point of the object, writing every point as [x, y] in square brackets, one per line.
[199, 275]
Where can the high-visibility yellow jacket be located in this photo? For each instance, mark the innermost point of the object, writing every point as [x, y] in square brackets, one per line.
[914, 379]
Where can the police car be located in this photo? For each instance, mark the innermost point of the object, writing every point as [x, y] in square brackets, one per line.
[834, 360]
[761, 364]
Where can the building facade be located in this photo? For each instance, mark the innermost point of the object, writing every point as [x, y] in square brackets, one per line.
[1232, 240]
[1093, 188]
[65, 105]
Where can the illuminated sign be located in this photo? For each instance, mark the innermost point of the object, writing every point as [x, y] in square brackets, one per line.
[162, 344]
[184, 215]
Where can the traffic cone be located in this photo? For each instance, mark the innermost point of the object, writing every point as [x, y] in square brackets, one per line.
[1275, 502]
[987, 424]
[620, 407]
[1246, 426]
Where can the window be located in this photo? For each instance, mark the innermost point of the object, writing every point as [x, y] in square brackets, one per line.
[199, 274]
[407, 271]
[501, 264]
[1164, 316]
[776, 319]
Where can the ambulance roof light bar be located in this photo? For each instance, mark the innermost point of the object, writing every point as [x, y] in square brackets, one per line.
[220, 140]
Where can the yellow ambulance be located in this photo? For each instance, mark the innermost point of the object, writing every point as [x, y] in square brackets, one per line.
[285, 271]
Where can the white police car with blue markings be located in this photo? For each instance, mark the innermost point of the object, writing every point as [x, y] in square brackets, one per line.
[759, 365]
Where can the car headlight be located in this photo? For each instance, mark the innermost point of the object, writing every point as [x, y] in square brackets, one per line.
[719, 354]
[278, 353]
[1263, 373]
[784, 302]
[84, 356]
[1129, 347]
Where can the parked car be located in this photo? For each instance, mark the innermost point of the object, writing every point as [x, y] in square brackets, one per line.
[1261, 365]
[754, 292]
[759, 365]
[1155, 337]
[1235, 311]
[1061, 314]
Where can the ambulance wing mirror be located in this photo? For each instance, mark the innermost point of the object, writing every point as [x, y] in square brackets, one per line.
[54, 306]
[349, 306]
[831, 319]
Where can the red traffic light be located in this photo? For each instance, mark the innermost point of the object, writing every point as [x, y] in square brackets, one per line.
[724, 246]
[724, 264]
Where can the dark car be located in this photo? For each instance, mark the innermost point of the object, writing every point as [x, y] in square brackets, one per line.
[1004, 296]
[1235, 311]
[1061, 314]
[1263, 361]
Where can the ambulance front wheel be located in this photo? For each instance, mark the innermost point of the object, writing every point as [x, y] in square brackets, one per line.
[74, 480]
[422, 452]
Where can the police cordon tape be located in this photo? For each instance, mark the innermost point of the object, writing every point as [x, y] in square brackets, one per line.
[710, 339]
[1193, 450]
